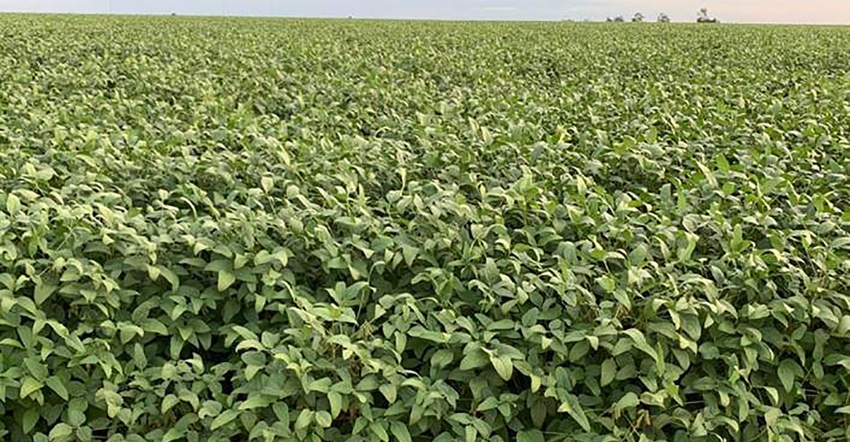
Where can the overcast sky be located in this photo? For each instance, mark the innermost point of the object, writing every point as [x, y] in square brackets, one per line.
[753, 11]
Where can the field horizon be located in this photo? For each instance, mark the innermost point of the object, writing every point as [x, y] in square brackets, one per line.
[414, 19]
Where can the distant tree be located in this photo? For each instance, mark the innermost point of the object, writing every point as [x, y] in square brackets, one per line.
[619, 19]
[663, 18]
[638, 18]
[703, 17]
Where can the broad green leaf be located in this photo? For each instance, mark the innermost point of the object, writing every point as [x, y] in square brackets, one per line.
[254, 401]
[709, 175]
[410, 254]
[389, 391]
[787, 373]
[379, 431]
[57, 386]
[324, 419]
[442, 358]
[225, 280]
[400, 432]
[223, 419]
[530, 436]
[470, 434]
[609, 371]
[629, 400]
[29, 419]
[607, 283]
[29, 386]
[42, 292]
[305, 418]
[168, 402]
[13, 204]
[488, 404]
[503, 365]
[173, 434]
[640, 343]
[474, 359]
[335, 400]
[574, 409]
[267, 183]
[60, 431]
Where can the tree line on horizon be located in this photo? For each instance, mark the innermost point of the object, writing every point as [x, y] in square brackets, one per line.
[702, 17]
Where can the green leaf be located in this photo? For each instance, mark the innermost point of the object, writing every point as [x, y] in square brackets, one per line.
[42, 292]
[305, 418]
[409, 253]
[470, 434]
[13, 203]
[638, 255]
[324, 419]
[281, 411]
[574, 409]
[442, 358]
[170, 276]
[607, 283]
[139, 357]
[653, 399]
[255, 401]
[168, 402]
[150, 325]
[787, 370]
[504, 366]
[609, 371]
[225, 279]
[474, 359]
[174, 434]
[629, 400]
[380, 431]
[223, 419]
[533, 435]
[29, 386]
[709, 175]
[490, 403]
[843, 325]
[774, 394]
[76, 411]
[60, 431]
[335, 400]
[684, 252]
[29, 419]
[57, 386]
[400, 432]
[623, 298]
[640, 343]
[389, 391]
[267, 183]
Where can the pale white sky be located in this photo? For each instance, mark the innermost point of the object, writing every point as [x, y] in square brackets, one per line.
[751, 11]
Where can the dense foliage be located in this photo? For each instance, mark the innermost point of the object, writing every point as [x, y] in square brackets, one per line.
[274, 230]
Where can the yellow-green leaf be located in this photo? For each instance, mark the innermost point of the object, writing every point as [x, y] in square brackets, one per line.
[223, 419]
[503, 365]
[225, 279]
[13, 203]
[28, 386]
